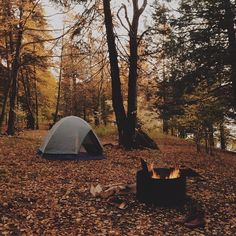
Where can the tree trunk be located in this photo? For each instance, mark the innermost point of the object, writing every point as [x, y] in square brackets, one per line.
[165, 127]
[229, 21]
[222, 137]
[206, 139]
[172, 131]
[104, 110]
[211, 139]
[132, 84]
[5, 98]
[129, 130]
[36, 121]
[117, 99]
[128, 136]
[30, 116]
[14, 75]
[9, 49]
[98, 111]
[59, 82]
[74, 96]
[197, 137]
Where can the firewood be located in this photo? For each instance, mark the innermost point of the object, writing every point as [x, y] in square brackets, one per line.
[108, 193]
[96, 191]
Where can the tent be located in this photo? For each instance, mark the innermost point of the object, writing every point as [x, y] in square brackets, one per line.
[71, 138]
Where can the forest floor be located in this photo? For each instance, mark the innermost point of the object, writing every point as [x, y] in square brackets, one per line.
[42, 197]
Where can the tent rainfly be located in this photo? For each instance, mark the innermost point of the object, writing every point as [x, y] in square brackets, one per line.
[71, 138]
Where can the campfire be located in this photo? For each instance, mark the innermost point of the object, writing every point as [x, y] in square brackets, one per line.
[154, 175]
[160, 186]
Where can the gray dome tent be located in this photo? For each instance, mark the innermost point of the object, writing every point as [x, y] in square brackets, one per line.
[71, 138]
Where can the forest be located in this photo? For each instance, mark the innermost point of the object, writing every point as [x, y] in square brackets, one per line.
[154, 79]
[174, 63]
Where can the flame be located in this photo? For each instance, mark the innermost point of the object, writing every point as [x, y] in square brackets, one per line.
[173, 174]
[153, 172]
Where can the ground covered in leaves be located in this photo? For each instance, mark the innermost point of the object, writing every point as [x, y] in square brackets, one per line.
[42, 197]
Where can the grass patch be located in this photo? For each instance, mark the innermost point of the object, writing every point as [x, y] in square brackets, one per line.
[105, 130]
[158, 134]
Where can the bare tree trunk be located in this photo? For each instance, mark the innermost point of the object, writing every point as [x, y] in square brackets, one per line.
[59, 82]
[222, 137]
[197, 137]
[206, 139]
[9, 49]
[30, 115]
[211, 139]
[36, 98]
[14, 75]
[117, 99]
[98, 109]
[99, 99]
[133, 75]
[36, 106]
[6, 94]
[132, 84]
[165, 127]
[229, 21]
[129, 137]
[164, 116]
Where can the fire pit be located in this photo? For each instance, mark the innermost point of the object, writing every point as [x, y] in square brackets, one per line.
[161, 186]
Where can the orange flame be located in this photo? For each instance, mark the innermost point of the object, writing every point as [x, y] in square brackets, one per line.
[154, 173]
[173, 174]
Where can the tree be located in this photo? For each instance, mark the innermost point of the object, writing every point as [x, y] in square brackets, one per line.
[24, 35]
[203, 73]
[126, 122]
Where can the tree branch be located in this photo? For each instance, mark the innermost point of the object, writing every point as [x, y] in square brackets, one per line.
[126, 17]
[142, 35]
[141, 9]
[32, 10]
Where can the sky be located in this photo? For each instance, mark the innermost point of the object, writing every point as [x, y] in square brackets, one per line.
[55, 16]
[52, 12]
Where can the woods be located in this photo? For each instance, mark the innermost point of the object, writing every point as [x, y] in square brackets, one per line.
[117, 117]
[177, 63]
[24, 65]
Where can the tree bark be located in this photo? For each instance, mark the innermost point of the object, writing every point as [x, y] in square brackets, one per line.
[129, 137]
[9, 49]
[59, 82]
[229, 23]
[14, 75]
[117, 99]
[222, 137]
[30, 115]
[6, 93]
[133, 75]
[36, 120]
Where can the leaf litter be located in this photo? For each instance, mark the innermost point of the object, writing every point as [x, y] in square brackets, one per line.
[39, 196]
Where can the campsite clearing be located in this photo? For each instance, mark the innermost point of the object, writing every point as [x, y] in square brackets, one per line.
[40, 196]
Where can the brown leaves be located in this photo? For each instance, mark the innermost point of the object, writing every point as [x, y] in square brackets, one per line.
[53, 197]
